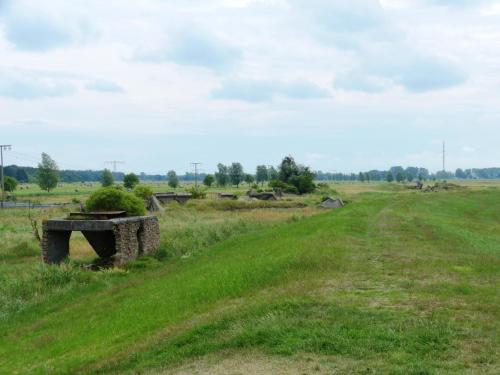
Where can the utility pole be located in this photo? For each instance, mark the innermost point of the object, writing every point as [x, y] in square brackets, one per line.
[114, 163]
[6, 148]
[195, 174]
[444, 157]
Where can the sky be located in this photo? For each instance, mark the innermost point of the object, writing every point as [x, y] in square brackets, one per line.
[339, 85]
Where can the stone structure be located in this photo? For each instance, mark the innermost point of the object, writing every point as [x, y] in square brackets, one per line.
[229, 196]
[170, 197]
[123, 239]
[154, 205]
[332, 203]
[263, 196]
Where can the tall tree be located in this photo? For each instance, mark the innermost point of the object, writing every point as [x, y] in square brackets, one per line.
[173, 180]
[411, 173]
[400, 177]
[236, 174]
[273, 174]
[249, 179]
[208, 180]
[130, 180]
[107, 178]
[390, 177]
[361, 177]
[10, 184]
[262, 174]
[48, 173]
[222, 176]
[397, 169]
[423, 174]
[459, 173]
[287, 169]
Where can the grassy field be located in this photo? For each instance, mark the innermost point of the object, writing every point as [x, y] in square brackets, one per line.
[397, 281]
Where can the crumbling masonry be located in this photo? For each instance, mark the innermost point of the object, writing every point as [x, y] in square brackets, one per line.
[124, 239]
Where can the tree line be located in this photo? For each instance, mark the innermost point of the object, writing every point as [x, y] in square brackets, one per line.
[288, 176]
[398, 173]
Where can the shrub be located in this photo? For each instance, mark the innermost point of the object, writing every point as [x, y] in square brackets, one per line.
[112, 199]
[173, 180]
[197, 193]
[107, 178]
[208, 180]
[10, 184]
[287, 188]
[143, 192]
[130, 180]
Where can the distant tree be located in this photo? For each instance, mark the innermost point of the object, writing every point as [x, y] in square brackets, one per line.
[236, 174]
[222, 176]
[424, 173]
[390, 177]
[287, 169]
[173, 180]
[10, 184]
[294, 178]
[130, 180]
[374, 175]
[367, 177]
[273, 174]
[411, 173]
[397, 169]
[306, 182]
[361, 177]
[208, 180]
[107, 178]
[48, 173]
[262, 174]
[400, 177]
[21, 175]
[459, 173]
[249, 179]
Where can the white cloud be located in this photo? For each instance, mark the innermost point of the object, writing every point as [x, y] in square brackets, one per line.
[278, 76]
[261, 91]
[104, 86]
[31, 26]
[25, 85]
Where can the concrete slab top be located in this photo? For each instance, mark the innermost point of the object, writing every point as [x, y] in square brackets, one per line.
[62, 224]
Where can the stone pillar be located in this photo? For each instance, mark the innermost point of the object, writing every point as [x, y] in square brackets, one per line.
[126, 241]
[149, 235]
[55, 246]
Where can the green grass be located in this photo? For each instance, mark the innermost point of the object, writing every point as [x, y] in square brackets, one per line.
[394, 282]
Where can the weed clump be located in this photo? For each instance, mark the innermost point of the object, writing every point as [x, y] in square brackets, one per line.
[112, 199]
[144, 192]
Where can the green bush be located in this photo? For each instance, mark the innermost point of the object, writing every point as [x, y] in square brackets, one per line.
[130, 180]
[112, 199]
[286, 188]
[143, 192]
[10, 184]
[197, 193]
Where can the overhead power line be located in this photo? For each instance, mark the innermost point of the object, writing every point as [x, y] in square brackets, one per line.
[114, 163]
[196, 173]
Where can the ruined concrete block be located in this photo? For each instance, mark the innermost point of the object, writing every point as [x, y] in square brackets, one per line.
[124, 239]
